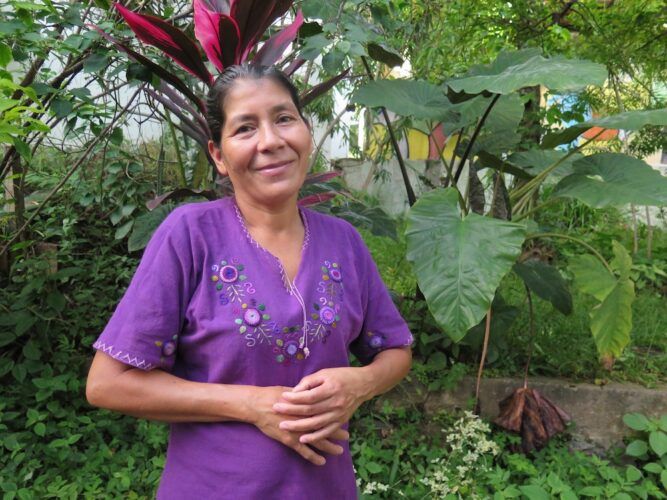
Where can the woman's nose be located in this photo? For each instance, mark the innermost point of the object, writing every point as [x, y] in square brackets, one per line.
[269, 138]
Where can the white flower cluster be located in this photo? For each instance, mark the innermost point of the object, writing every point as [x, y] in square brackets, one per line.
[373, 486]
[470, 454]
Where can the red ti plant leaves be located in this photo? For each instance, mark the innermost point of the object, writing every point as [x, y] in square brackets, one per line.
[320, 177]
[169, 39]
[274, 47]
[322, 88]
[217, 33]
[254, 17]
[165, 75]
[315, 199]
[293, 66]
[220, 6]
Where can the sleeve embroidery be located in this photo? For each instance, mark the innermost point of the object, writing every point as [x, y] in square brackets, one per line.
[124, 357]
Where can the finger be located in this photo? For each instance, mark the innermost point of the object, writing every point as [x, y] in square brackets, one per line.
[328, 447]
[309, 382]
[340, 435]
[324, 433]
[300, 410]
[309, 454]
[310, 396]
[308, 424]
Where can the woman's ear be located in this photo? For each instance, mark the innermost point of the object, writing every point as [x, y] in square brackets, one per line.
[216, 154]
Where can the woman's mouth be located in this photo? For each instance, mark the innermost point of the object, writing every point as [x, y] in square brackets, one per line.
[276, 168]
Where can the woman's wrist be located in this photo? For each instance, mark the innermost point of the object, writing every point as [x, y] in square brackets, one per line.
[237, 402]
[385, 371]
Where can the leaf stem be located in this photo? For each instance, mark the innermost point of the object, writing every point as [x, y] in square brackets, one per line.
[485, 345]
[179, 158]
[480, 123]
[575, 240]
[412, 199]
[537, 180]
[531, 323]
[535, 209]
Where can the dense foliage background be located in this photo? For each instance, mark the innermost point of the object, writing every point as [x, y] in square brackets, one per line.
[75, 219]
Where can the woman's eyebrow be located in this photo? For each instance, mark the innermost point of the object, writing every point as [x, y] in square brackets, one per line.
[275, 109]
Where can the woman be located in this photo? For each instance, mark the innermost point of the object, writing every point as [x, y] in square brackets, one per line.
[237, 325]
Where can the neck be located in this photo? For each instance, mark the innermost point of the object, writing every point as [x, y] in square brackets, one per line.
[278, 219]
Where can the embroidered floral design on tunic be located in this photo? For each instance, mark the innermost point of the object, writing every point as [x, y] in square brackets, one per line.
[254, 323]
[326, 313]
[288, 344]
[375, 341]
[168, 348]
[231, 282]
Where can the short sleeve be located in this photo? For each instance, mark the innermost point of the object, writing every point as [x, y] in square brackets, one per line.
[383, 326]
[144, 329]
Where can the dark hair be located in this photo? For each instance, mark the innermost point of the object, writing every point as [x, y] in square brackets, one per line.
[215, 112]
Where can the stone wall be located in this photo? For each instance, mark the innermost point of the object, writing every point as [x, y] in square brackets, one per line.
[596, 410]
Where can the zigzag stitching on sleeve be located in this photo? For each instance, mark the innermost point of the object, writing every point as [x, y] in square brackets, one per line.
[124, 357]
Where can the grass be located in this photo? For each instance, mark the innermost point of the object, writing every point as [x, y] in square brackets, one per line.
[564, 346]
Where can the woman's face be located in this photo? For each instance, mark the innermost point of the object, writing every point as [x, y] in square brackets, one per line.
[265, 145]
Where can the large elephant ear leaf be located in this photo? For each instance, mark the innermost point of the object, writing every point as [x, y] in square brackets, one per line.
[535, 161]
[630, 120]
[591, 277]
[459, 261]
[613, 179]
[546, 282]
[611, 321]
[521, 69]
[415, 98]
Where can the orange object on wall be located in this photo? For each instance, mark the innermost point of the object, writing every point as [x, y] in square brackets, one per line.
[607, 135]
[437, 141]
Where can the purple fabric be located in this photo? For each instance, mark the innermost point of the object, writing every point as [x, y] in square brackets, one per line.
[208, 304]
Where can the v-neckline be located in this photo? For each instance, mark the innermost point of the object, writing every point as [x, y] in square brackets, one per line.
[288, 283]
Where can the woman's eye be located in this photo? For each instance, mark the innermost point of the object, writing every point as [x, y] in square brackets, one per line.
[243, 129]
[285, 118]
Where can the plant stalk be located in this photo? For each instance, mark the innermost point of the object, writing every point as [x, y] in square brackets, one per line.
[537, 180]
[179, 158]
[412, 199]
[480, 371]
[328, 131]
[462, 200]
[480, 123]
[534, 209]
[649, 233]
[531, 326]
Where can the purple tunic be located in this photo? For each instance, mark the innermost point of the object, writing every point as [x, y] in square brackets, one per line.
[209, 304]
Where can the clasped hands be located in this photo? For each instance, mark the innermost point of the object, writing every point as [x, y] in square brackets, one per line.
[312, 414]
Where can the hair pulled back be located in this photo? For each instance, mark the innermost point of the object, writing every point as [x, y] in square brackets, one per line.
[215, 102]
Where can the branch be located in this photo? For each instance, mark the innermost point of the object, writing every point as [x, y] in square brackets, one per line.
[329, 129]
[70, 172]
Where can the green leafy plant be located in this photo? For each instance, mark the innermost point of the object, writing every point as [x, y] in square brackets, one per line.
[649, 448]
[460, 257]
